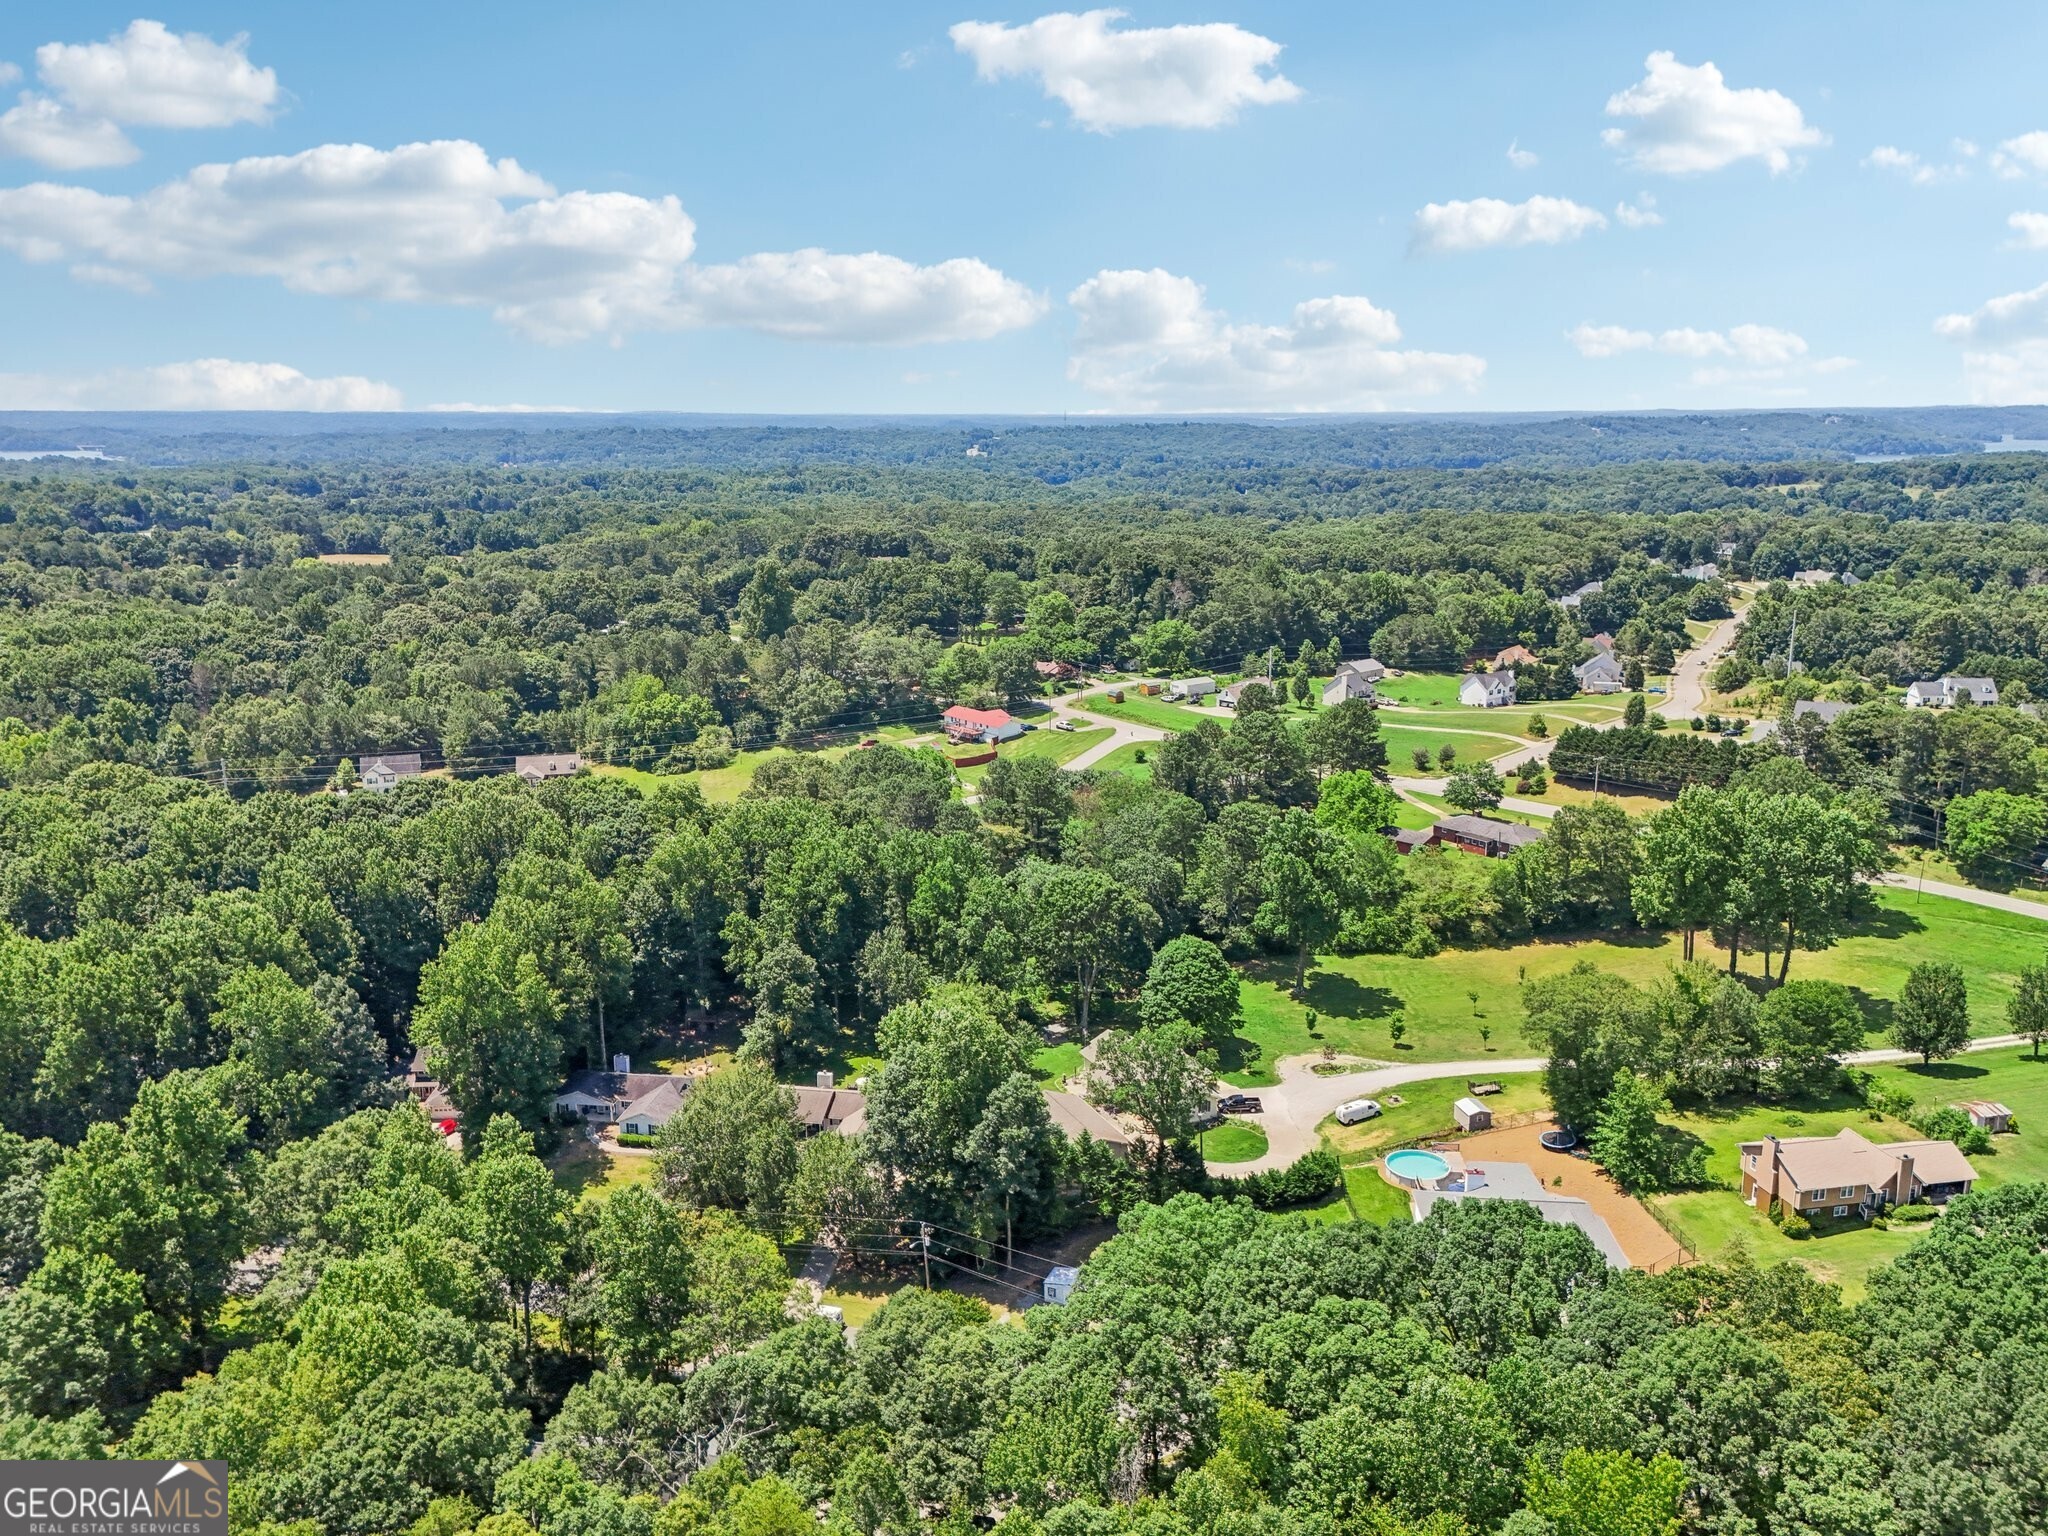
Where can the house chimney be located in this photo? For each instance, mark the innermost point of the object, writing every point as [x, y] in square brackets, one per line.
[1905, 1191]
[824, 1079]
[622, 1062]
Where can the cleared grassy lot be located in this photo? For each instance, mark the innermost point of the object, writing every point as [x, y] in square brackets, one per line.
[1356, 997]
[1234, 1141]
[1048, 745]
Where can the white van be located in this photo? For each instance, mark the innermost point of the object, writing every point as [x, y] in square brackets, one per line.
[1355, 1110]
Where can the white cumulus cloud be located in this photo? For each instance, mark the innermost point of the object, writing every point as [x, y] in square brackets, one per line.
[49, 133]
[821, 295]
[2023, 156]
[1113, 77]
[1147, 340]
[1682, 119]
[1482, 222]
[1754, 345]
[1640, 214]
[2005, 356]
[444, 223]
[2030, 230]
[204, 384]
[146, 77]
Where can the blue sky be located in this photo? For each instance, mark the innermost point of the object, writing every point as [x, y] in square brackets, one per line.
[807, 208]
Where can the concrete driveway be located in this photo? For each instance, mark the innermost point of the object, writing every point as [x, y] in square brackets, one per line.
[1302, 1099]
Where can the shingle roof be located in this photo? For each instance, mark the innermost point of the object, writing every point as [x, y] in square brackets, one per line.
[823, 1109]
[1848, 1159]
[983, 717]
[1484, 829]
[406, 765]
[1073, 1114]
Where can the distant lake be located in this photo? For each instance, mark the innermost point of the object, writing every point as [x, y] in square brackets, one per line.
[54, 453]
[2018, 445]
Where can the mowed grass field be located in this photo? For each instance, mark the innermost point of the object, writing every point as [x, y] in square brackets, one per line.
[1049, 745]
[1357, 996]
[1717, 1223]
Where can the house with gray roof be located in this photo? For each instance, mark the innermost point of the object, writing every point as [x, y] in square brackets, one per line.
[384, 771]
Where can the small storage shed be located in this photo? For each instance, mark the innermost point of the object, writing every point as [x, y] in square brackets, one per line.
[1989, 1114]
[1472, 1115]
[1060, 1283]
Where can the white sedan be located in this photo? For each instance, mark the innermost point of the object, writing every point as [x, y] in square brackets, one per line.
[1355, 1110]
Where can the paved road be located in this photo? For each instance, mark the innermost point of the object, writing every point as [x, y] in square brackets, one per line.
[1976, 898]
[1686, 694]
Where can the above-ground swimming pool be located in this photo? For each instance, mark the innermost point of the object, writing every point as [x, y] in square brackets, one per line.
[1413, 1167]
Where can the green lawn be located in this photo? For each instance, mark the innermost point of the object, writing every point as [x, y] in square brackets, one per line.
[1053, 746]
[1424, 1112]
[1125, 760]
[1143, 710]
[1402, 740]
[587, 1172]
[1234, 1141]
[1443, 807]
[1421, 687]
[1716, 1222]
[1054, 1064]
[1373, 1199]
[859, 1298]
[1358, 995]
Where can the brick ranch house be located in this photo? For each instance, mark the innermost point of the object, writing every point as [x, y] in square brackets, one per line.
[1822, 1176]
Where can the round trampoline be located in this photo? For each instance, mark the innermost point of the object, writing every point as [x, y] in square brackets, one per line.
[1561, 1139]
[1414, 1167]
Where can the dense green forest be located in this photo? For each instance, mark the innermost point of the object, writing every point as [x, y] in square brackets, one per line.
[227, 1231]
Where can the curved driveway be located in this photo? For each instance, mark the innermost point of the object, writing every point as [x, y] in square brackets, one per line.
[1302, 1100]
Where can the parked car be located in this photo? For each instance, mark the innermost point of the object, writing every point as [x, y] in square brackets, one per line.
[1063, 725]
[1239, 1104]
[1355, 1110]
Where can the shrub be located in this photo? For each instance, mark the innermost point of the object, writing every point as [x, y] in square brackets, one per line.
[1794, 1225]
[1901, 1215]
[1951, 1124]
[1314, 1176]
[628, 1139]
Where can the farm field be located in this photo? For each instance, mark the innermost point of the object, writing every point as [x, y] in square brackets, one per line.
[1358, 996]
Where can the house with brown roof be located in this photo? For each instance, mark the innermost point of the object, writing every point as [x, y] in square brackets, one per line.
[1823, 1176]
[1073, 1117]
[1514, 656]
[535, 766]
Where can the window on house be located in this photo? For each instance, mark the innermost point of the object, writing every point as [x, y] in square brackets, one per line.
[1848, 1190]
[1841, 1210]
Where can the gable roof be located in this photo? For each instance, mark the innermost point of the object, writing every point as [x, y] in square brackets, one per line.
[1485, 829]
[1492, 682]
[1072, 1115]
[1849, 1159]
[962, 715]
[616, 1087]
[658, 1105]
[404, 765]
[547, 765]
[825, 1109]
[1368, 668]
[1347, 685]
[1827, 710]
[1600, 662]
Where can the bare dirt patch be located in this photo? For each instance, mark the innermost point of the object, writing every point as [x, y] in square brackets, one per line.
[353, 559]
[1648, 1246]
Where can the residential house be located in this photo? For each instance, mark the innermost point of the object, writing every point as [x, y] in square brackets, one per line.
[1191, 689]
[1814, 578]
[1484, 835]
[827, 1107]
[1517, 1182]
[533, 767]
[1602, 672]
[1228, 695]
[1827, 711]
[381, 773]
[606, 1098]
[1604, 640]
[980, 725]
[1073, 1116]
[1408, 839]
[1824, 1176]
[1057, 671]
[1514, 656]
[1578, 595]
[1988, 1115]
[1487, 690]
[1372, 671]
[1946, 692]
[655, 1108]
[1707, 571]
[1350, 685]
